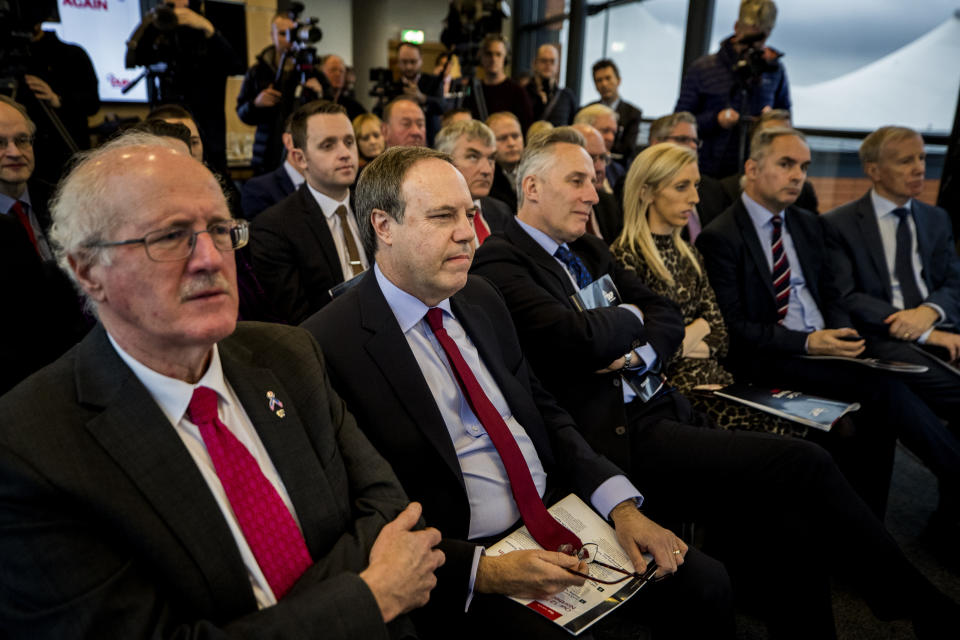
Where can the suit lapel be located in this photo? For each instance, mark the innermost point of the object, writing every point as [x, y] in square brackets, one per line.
[520, 238]
[799, 233]
[284, 438]
[750, 239]
[317, 223]
[137, 435]
[870, 233]
[388, 349]
[925, 242]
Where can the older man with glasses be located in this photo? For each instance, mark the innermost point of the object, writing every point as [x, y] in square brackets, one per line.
[178, 473]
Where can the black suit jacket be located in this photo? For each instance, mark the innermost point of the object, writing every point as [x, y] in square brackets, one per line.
[502, 190]
[108, 529]
[609, 216]
[374, 369]
[742, 280]
[496, 213]
[717, 195]
[261, 192]
[566, 346]
[860, 268]
[294, 256]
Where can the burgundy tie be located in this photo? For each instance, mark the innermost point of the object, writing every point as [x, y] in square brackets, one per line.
[24, 219]
[267, 524]
[781, 269]
[549, 534]
[481, 227]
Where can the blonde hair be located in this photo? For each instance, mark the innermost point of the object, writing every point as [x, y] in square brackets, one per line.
[652, 171]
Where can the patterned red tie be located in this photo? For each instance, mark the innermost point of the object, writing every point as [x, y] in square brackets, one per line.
[781, 269]
[480, 227]
[549, 534]
[267, 524]
[24, 219]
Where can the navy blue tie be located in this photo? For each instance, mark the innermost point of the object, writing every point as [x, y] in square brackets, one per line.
[903, 262]
[575, 265]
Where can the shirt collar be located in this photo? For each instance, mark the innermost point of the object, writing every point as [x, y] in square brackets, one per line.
[549, 244]
[6, 202]
[407, 309]
[613, 105]
[758, 213]
[171, 394]
[327, 204]
[883, 207]
[295, 176]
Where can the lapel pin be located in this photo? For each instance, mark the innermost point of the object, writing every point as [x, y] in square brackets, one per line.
[275, 405]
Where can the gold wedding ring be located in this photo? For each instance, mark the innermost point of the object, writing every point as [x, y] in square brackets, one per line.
[676, 552]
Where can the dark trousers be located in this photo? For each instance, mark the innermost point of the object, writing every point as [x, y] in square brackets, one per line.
[939, 387]
[777, 512]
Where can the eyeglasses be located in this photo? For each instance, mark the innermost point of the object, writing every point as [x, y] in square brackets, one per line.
[603, 157]
[23, 142]
[686, 140]
[588, 553]
[177, 243]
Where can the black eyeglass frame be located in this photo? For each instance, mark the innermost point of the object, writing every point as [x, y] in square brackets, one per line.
[584, 554]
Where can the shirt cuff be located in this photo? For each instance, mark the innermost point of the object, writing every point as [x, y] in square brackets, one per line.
[632, 308]
[612, 492]
[648, 355]
[925, 335]
[477, 553]
[940, 313]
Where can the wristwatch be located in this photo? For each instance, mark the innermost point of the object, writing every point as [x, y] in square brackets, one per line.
[628, 359]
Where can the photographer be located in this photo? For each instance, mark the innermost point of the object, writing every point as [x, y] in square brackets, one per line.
[727, 89]
[197, 59]
[425, 88]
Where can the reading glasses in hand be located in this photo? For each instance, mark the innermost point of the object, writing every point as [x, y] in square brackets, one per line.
[588, 553]
[177, 243]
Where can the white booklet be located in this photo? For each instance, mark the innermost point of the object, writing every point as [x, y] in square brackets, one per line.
[577, 608]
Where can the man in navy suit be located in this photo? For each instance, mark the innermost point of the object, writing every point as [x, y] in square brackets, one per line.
[262, 192]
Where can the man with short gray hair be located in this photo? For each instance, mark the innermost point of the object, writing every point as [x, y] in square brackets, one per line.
[473, 148]
[604, 119]
[180, 473]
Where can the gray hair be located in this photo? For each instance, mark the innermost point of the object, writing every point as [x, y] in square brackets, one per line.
[539, 153]
[10, 102]
[381, 187]
[661, 127]
[83, 209]
[763, 139]
[447, 137]
[590, 113]
[872, 146]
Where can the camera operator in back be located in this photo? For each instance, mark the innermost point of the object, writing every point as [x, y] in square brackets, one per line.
[728, 89]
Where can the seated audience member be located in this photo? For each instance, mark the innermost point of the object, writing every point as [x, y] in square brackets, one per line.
[43, 317]
[767, 263]
[606, 78]
[268, 106]
[717, 195]
[308, 243]
[473, 149]
[538, 127]
[498, 92]
[606, 219]
[368, 129]
[259, 193]
[403, 124]
[335, 71]
[149, 487]
[893, 260]
[425, 88]
[604, 119]
[455, 115]
[509, 136]
[550, 101]
[722, 478]
[444, 391]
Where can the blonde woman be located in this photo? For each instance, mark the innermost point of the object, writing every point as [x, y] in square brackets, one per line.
[660, 195]
[366, 129]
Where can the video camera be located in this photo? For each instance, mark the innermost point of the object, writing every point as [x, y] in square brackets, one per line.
[755, 60]
[17, 20]
[301, 36]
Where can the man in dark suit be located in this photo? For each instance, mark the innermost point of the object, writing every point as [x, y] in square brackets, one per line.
[473, 148]
[308, 242]
[604, 119]
[606, 77]
[723, 478]
[777, 308]
[606, 221]
[391, 369]
[177, 474]
[262, 192]
[509, 136]
[425, 88]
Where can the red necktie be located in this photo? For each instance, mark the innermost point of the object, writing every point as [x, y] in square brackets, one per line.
[24, 219]
[480, 227]
[267, 524]
[549, 534]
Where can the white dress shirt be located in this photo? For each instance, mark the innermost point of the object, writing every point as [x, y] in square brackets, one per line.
[329, 207]
[173, 397]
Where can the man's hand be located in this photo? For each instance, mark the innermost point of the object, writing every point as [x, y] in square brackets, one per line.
[411, 90]
[314, 85]
[402, 562]
[830, 342]
[637, 533]
[910, 324]
[269, 97]
[616, 365]
[728, 117]
[43, 91]
[532, 573]
[947, 340]
[190, 18]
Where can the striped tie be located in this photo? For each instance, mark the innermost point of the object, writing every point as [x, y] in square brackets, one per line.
[781, 270]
